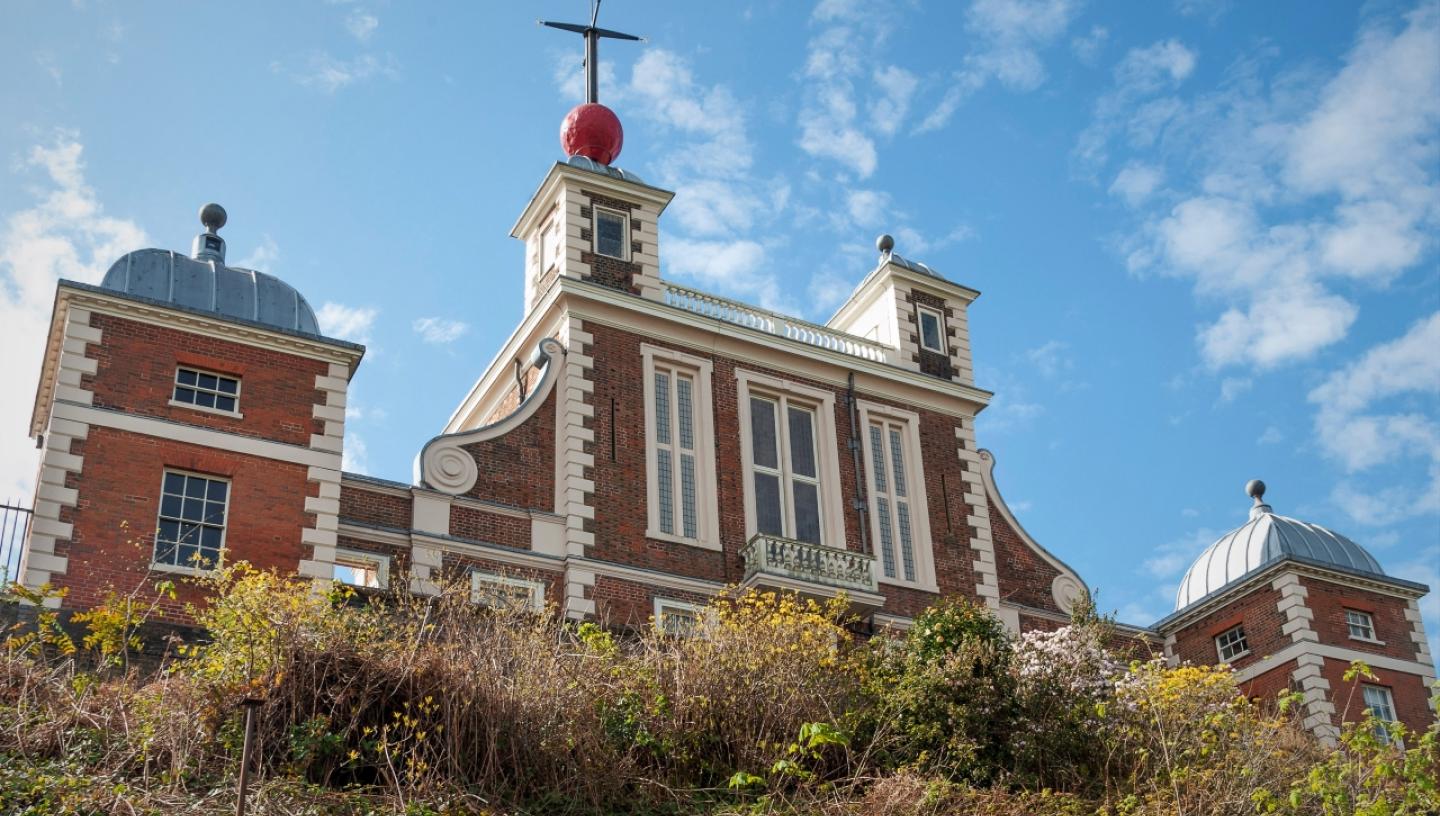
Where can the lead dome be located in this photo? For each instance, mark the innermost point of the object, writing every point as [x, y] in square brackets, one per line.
[204, 283]
[1266, 538]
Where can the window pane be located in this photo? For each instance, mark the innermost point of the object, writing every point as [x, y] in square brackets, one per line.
[768, 518]
[193, 510]
[228, 385]
[930, 330]
[214, 513]
[170, 506]
[683, 401]
[907, 546]
[877, 452]
[175, 483]
[687, 494]
[184, 395]
[195, 487]
[662, 407]
[185, 376]
[208, 381]
[665, 481]
[216, 491]
[762, 429]
[205, 399]
[802, 442]
[887, 541]
[168, 531]
[609, 234]
[165, 551]
[897, 458]
[807, 511]
[225, 403]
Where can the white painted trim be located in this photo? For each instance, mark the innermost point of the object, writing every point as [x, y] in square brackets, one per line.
[382, 565]
[1067, 586]
[661, 605]
[707, 510]
[537, 588]
[822, 403]
[1325, 650]
[915, 481]
[595, 210]
[232, 414]
[195, 435]
[920, 312]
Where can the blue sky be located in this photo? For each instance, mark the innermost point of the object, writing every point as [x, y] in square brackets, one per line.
[1205, 231]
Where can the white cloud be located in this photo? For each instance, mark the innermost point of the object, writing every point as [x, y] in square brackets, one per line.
[896, 86]
[343, 322]
[1301, 180]
[1232, 387]
[1365, 419]
[736, 268]
[1173, 557]
[830, 127]
[263, 257]
[361, 25]
[330, 74]
[868, 208]
[1136, 181]
[1270, 436]
[439, 330]
[65, 234]
[1050, 358]
[1087, 47]
[1009, 35]
[356, 456]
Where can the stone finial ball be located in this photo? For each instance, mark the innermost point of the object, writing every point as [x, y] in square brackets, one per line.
[593, 131]
[212, 216]
[885, 243]
[1255, 489]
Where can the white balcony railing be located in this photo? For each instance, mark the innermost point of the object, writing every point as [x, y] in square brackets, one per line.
[740, 314]
[812, 563]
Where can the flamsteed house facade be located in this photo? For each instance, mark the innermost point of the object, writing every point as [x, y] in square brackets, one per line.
[634, 447]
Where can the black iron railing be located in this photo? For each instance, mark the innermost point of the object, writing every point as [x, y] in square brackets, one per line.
[14, 525]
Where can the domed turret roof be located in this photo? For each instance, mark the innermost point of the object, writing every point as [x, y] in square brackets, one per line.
[204, 283]
[1265, 539]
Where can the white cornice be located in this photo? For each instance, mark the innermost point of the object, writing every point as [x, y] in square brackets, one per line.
[561, 173]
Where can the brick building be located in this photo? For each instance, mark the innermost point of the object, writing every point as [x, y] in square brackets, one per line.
[634, 447]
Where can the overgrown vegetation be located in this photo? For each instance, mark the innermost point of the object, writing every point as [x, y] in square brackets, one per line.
[437, 706]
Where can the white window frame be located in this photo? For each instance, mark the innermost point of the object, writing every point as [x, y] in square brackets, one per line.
[355, 557]
[909, 422]
[1220, 647]
[479, 577]
[822, 402]
[664, 605]
[707, 515]
[624, 217]
[175, 383]
[920, 312]
[550, 256]
[1368, 622]
[1386, 716]
[186, 569]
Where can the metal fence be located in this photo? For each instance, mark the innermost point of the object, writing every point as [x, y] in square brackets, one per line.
[14, 524]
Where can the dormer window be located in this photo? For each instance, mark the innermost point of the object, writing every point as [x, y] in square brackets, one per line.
[932, 329]
[1231, 644]
[206, 390]
[610, 228]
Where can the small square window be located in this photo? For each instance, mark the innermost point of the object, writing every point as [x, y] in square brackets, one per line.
[1231, 644]
[205, 389]
[503, 592]
[362, 569]
[190, 526]
[677, 618]
[1360, 624]
[610, 233]
[932, 330]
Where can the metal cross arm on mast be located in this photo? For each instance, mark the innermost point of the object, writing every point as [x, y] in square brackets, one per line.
[592, 34]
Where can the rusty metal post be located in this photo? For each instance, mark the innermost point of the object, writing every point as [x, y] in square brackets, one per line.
[250, 704]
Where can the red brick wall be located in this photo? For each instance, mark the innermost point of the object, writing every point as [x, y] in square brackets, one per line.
[373, 507]
[1329, 601]
[623, 603]
[1266, 687]
[458, 567]
[518, 468]
[1256, 611]
[620, 460]
[1025, 577]
[1409, 692]
[119, 493]
[135, 373]
[491, 528]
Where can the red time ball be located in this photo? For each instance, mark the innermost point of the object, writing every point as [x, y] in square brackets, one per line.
[593, 131]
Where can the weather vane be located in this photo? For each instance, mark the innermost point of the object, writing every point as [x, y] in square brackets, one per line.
[592, 36]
